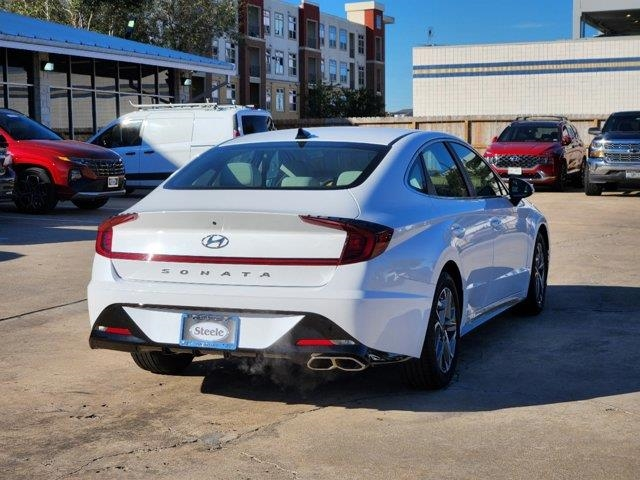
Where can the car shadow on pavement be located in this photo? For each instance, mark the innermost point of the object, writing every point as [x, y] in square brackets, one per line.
[584, 345]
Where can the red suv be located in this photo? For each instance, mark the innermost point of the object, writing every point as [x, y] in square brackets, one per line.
[542, 150]
[49, 169]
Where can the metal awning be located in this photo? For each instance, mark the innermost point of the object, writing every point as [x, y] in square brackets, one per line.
[26, 33]
[614, 22]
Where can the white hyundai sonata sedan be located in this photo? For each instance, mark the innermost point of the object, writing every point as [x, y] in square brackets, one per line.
[336, 248]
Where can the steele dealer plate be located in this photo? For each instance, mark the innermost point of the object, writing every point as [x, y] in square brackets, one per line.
[209, 330]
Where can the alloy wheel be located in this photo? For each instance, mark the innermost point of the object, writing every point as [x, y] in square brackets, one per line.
[539, 273]
[445, 330]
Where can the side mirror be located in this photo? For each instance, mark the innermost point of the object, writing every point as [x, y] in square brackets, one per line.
[519, 189]
[594, 131]
[566, 140]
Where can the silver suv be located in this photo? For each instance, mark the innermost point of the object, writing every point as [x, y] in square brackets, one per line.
[614, 154]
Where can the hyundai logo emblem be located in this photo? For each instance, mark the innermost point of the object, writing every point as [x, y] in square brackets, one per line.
[514, 158]
[215, 241]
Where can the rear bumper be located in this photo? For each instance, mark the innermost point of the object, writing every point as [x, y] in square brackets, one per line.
[621, 173]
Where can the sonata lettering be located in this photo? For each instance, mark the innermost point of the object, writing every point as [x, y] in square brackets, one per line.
[207, 273]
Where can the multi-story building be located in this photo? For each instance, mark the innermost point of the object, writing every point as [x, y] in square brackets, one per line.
[285, 49]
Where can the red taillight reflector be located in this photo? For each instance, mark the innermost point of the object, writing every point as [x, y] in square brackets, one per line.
[104, 239]
[365, 240]
[314, 342]
[117, 331]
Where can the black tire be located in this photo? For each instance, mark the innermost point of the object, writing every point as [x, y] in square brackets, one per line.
[162, 363]
[591, 189]
[578, 179]
[533, 304]
[561, 179]
[437, 363]
[90, 203]
[34, 192]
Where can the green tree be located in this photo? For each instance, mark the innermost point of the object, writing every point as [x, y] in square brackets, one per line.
[329, 101]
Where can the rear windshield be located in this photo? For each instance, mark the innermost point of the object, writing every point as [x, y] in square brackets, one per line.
[623, 122]
[256, 123]
[281, 165]
[20, 127]
[530, 133]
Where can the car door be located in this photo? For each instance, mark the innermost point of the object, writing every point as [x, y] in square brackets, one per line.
[123, 137]
[462, 221]
[508, 275]
[166, 142]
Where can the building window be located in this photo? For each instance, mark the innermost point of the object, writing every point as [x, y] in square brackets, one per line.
[379, 49]
[268, 99]
[322, 72]
[279, 99]
[378, 21]
[293, 27]
[378, 81]
[332, 36]
[279, 62]
[278, 24]
[343, 39]
[230, 52]
[344, 73]
[312, 34]
[321, 30]
[266, 22]
[333, 71]
[361, 76]
[293, 65]
[312, 71]
[214, 49]
[267, 59]
[231, 91]
[293, 101]
[253, 21]
[361, 44]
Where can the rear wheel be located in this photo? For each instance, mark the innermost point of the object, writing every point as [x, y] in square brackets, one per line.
[537, 292]
[436, 365]
[162, 363]
[34, 192]
[90, 203]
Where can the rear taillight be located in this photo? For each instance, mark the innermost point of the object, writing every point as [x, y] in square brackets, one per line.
[365, 240]
[104, 239]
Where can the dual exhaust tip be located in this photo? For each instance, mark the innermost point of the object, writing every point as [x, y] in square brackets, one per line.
[330, 362]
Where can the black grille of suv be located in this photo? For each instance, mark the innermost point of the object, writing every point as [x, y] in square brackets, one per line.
[105, 168]
[524, 161]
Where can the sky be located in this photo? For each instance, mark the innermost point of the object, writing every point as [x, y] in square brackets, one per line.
[458, 22]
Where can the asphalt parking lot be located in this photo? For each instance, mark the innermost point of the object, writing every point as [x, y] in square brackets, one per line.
[555, 396]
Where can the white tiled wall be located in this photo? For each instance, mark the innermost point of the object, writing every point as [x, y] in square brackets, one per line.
[593, 93]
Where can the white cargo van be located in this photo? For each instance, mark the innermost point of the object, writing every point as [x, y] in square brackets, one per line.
[155, 140]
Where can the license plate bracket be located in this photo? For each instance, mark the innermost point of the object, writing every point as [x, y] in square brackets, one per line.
[514, 170]
[209, 330]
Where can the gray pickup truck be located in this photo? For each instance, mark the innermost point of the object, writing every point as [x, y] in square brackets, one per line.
[614, 154]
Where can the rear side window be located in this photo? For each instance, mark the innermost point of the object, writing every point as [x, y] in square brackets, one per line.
[256, 123]
[280, 166]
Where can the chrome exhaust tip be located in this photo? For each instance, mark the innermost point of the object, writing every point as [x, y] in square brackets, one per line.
[329, 362]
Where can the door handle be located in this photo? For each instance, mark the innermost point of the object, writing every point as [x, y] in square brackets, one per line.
[129, 154]
[457, 231]
[148, 151]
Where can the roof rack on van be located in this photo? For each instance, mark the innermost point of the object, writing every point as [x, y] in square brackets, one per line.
[543, 117]
[213, 106]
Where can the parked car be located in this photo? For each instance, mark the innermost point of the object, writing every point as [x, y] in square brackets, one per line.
[336, 247]
[614, 154]
[542, 150]
[49, 169]
[7, 175]
[157, 139]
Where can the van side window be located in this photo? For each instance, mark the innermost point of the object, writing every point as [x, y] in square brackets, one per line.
[120, 135]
